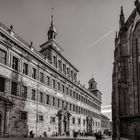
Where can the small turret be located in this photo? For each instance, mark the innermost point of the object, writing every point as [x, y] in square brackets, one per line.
[92, 84]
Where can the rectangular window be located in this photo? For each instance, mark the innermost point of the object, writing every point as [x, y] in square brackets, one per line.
[75, 77]
[70, 107]
[24, 92]
[47, 99]
[23, 115]
[58, 103]
[33, 94]
[73, 94]
[84, 121]
[41, 97]
[76, 95]
[79, 97]
[14, 88]
[25, 68]
[62, 104]
[40, 118]
[82, 98]
[15, 63]
[70, 92]
[67, 105]
[58, 86]
[53, 101]
[63, 88]
[48, 80]
[2, 57]
[82, 110]
[53, 83]
[73, 107]
[34, 73]
[67, 90]
[2, 84]
[52, 119]
[73, 120]
[68, 72]
[79, 121]
[77, 109]
[54, 61]
[41, 77]
[71, 75]
[59, 65]
[64, 69]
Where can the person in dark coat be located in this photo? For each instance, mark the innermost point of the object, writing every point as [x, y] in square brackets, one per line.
[96, 136]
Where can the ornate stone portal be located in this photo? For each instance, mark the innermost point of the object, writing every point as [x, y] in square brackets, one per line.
[89, 122]
[63, 121]
[5, 105]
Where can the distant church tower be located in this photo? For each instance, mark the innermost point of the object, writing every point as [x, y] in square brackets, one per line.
[92, 84]
[92, 87]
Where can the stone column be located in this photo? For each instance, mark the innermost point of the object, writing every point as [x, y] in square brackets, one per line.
[87, 125]
[91, 125]
[68, 124]
[59, 125]
[5, 120]
[62, 124]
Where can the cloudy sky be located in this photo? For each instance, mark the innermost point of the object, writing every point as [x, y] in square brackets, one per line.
[86, 31]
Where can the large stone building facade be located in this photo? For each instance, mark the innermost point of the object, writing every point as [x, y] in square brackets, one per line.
[126, 78]
[39, 91]
[105, 123]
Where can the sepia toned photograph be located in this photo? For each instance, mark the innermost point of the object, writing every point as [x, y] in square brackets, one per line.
[69, 69]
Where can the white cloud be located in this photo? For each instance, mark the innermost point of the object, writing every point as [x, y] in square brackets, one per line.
[106, 111]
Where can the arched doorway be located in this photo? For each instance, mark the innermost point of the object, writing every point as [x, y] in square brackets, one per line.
[0, 123]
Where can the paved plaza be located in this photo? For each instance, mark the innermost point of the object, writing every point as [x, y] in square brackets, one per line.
[53, 138]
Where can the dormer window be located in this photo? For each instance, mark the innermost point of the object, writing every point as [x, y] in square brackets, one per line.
[54, 61]
[59, 65]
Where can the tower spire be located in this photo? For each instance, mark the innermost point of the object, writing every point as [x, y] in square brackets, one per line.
[122, 11]
[52, 31]
[52, 22]
[122, 18]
